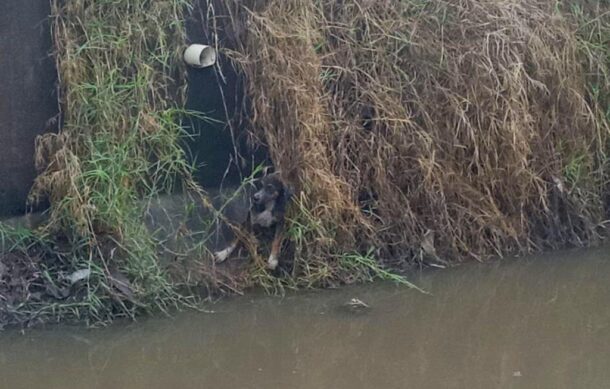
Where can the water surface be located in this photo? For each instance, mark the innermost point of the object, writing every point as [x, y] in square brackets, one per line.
[536, 323]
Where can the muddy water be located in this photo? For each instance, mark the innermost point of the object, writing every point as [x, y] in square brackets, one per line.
[539, 323]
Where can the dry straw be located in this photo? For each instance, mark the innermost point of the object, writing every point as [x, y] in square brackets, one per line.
[444, 129]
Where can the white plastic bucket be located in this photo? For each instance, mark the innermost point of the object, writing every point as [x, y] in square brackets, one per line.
[200, 56]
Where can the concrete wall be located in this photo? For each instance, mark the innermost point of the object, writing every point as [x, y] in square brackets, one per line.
[27, 95]
[28, 100]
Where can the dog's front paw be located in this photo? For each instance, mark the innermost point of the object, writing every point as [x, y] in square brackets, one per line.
[272, 262]
[222, 255]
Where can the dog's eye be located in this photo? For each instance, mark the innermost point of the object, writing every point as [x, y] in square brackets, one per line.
[269, 188]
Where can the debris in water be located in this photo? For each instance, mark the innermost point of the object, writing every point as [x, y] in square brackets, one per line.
[356, 303]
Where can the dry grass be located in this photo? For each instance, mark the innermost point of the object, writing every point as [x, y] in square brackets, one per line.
[472, 122]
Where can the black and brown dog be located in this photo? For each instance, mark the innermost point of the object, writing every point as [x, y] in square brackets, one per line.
[267, 210]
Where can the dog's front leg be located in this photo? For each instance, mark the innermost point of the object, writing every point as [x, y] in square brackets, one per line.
[222, 255]
[276, 246]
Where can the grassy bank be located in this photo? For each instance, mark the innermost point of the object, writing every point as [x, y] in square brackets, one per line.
[418, 131]
[121, 86]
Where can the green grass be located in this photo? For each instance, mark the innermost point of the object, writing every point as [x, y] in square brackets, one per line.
[122, 90]
[367, 264]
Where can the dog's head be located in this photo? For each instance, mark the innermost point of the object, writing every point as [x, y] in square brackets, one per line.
[271, 189]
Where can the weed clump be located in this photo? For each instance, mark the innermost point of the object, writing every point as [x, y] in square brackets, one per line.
[121, 87]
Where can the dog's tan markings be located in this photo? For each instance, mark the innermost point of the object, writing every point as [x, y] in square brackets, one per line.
[273, 260]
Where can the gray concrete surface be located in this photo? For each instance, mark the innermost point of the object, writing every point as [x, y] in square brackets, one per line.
[27, 95]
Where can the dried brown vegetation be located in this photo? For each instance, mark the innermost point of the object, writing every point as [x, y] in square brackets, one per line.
[454, 129]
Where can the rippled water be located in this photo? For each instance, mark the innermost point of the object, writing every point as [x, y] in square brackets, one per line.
[535, 323]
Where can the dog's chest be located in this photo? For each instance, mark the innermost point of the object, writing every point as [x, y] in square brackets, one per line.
[265, 218]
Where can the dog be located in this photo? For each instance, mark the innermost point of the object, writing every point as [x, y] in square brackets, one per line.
[267, 211]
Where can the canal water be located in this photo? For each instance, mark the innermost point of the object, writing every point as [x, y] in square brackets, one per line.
[539, 322]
